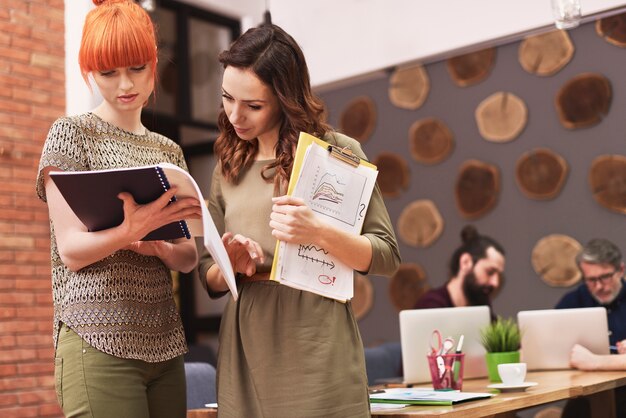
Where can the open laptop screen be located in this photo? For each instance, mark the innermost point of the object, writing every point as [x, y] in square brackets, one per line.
[417, 325]
[548, 335]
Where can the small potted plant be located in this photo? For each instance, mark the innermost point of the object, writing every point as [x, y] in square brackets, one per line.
[501, 339]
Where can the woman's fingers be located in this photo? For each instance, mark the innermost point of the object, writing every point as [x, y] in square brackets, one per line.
[243, 252]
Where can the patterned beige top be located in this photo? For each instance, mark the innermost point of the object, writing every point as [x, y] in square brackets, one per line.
[123, 304]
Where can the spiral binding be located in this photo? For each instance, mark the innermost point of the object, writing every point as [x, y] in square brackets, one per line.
[166, 186]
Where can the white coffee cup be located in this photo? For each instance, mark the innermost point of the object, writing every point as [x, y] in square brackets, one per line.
[512, 373]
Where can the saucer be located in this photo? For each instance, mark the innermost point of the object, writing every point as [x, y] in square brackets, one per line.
[512, 388]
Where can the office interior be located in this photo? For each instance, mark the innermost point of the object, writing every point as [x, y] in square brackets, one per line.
[353, 50]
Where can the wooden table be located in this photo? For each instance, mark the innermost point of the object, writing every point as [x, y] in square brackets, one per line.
[552, 386]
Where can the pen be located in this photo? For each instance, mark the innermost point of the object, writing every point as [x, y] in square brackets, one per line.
[457, 366]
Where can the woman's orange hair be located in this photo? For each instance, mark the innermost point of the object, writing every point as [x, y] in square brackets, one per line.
[117, 33]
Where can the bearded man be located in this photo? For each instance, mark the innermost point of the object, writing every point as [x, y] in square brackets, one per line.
[476, 274]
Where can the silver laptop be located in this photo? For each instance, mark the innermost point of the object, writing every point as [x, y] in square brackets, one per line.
[548, 335]
[417, 325]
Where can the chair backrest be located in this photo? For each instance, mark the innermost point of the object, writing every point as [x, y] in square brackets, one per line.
[383, 362]
[201, 389]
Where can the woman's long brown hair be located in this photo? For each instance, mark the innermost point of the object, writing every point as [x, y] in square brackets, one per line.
[277, 60]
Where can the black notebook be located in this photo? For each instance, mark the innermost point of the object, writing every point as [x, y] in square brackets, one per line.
[92, 195]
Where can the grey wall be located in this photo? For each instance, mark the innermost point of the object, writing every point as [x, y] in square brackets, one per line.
[517, 222]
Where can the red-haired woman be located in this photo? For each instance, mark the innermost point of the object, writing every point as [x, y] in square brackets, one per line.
[118, 336]
[283, 352]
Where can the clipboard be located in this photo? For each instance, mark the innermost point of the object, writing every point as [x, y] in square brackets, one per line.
[309, 150]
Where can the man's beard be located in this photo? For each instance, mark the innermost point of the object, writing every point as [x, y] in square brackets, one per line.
[475, 293]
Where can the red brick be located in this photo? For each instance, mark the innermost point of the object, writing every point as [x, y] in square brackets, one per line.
[14, 54]
[47, 380]
[17, 298]
[50, 410]
[29, 44]
[14, 29]
[6, 214]
[43, 243]
[55, 40]
[38, 368]
[6, 341]
[24, 174]
[15, 133]
[19, 270]
[44, 326]
[32, 284]
[56, 25]
[15, 5]
[46, 297]
[57, 101]
[48, 112]
[43, 271]
[7, 256]
[7, 105]
[20, 412]
[37, 397]
[33, 122]
[7, 284]
[44, 11]
[23, 18]
[48, 60]
[17, 326]
[34, 312]
[21, 354]
[7, 313]
[8, 399]
[17, 383]
[32, 256]
[43, 354]
[58, 75]
[28, 70]
[30, 95]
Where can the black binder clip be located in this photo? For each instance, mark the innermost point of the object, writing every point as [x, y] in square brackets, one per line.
[344, 154]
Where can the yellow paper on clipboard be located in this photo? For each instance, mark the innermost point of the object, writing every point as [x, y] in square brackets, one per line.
[337, 186]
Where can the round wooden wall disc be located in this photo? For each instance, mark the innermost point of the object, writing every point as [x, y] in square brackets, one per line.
[363, 296]
[540, 173]
[607, 178]
[407, 285]
[547, 53]
[554, 260]
[393, 174]
[409, 87]
[420, 223]
[358, 119]
[430, 141]
[584, 100]
[471, 68]
[613, 29]
[477, 188]
[501, 117]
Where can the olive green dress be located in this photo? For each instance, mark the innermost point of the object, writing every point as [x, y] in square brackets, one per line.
[285, 352]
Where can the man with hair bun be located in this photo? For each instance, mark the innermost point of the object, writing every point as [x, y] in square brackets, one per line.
[476, 273]
[118, 337]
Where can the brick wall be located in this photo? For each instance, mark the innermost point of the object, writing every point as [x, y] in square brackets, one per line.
[32, 96]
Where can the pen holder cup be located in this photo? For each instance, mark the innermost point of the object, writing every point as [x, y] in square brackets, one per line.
[446, 371]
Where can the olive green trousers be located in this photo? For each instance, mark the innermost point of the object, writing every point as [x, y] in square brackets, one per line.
[90, 383]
